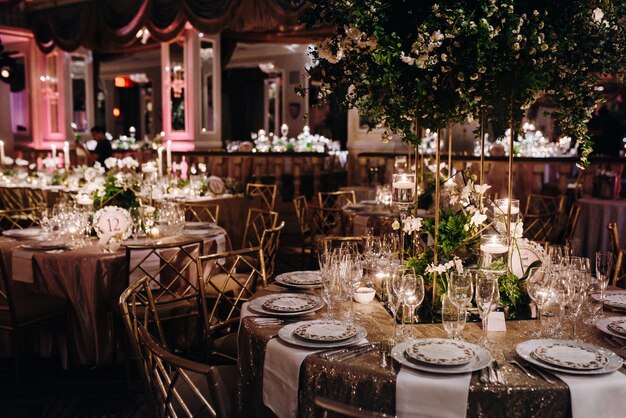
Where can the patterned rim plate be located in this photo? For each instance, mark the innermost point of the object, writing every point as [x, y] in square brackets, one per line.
[286, 334]
[290, 303]
[618, 325]
[281, 279]
[441, 352]
[571, 356]
[201, 232]
[481, 360]
[256, 305]
[615, 300]
[306, 278]
[199, 225]
[527, 349]
[325, 331]
[45, 245]
[26, 233]
[603, 325]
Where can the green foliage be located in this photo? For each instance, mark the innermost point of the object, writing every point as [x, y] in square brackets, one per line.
[513, 297]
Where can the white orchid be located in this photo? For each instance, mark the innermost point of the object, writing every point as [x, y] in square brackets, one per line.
[478, 218]
[411, 224]
[130, 163]
[517, 229]
[20, 162]
[481, 188]
[110, 162]
[440, 268]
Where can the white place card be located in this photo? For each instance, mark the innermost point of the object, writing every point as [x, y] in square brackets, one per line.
[496, 322]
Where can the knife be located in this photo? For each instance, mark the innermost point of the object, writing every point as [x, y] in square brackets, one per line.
[357, 352]
[331, 353]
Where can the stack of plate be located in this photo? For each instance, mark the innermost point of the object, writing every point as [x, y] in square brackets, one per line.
[286, 304]
[615, 326]
[615, 299]
[322, 333]
[569, 356]
[23, 234]
[300, 279]
[440, 355]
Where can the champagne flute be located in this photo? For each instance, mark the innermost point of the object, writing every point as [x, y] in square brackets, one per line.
[452, 317]
[394, 298]
[413, 292]
[604, 263]
[329, 286]
[485, 296]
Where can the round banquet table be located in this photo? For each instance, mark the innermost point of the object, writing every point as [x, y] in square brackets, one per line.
[90, 279]
[362, 382]
[591, 229]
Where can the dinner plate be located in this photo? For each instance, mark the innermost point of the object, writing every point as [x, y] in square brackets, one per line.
[45, 245]
[199, 225]
[570, 355]
[256, 305]
[527, 348]
[286, 334]
[603, 325]
[481, 360]
[202, 232]
[303, 278]
[26, 233]
[615, 299]
[618, 326]
[441, 352]
[280, 279]
[325, 331]
[290, 302]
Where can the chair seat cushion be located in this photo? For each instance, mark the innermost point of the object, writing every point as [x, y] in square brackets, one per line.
[225, 284]
[34, 307]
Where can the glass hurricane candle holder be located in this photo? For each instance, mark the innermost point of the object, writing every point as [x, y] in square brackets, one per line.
[501, 211]
[494, 253]
[403, 190]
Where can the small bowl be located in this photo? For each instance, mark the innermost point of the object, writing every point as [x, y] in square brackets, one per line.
[364, 294]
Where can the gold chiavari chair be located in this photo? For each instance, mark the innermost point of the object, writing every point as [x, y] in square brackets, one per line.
[22, 310]
[331, 408]
[181, 387]
[202, 212]
[332, 242]
[327, 221]
[230, 279]
[13, 198]
[303, 216]
[18, 218]
[571, 222]
[335, 200]
[35, 197]
[258, 221]
[270, 240]
[541, 218]
[266, 193]
[618, 252]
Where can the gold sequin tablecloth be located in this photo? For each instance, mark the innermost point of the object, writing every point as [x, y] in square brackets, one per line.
[361, 381]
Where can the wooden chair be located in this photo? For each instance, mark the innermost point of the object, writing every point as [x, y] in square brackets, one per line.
[202, 212]
[618, 252]
[22, 310]
[541, 218]
[180, 387]
[230, 279]
[266, 193]
[339, 409]
[270, 241]
[258, 221]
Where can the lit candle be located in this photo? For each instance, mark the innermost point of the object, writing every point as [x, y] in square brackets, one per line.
[54, 155]
[2, 153]
[160, 161]
[502, 207]
[169, 156]
[493, 247]
[404, 183]
[66, 154]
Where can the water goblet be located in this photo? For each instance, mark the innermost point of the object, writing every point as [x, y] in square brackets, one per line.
[539, 286]
[413, 292]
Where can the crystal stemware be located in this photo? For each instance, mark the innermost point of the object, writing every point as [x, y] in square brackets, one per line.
[486, 298]
[452, 317]
[604, 263]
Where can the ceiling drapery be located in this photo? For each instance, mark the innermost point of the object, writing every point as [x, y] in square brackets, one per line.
[109, 24]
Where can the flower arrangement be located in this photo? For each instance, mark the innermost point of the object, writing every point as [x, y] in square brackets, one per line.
[435, 62]
[119, 186]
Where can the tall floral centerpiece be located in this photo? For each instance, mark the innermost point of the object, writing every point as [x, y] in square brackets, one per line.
[118, 186]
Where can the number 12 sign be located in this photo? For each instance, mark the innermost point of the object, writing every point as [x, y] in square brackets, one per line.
[113, 220]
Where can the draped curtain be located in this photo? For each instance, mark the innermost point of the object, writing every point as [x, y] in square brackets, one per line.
[109, 24]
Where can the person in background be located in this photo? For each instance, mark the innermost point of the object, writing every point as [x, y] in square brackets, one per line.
[103, 149]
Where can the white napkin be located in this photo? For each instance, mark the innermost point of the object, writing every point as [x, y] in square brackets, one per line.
[281, 374]
[22, 262]
[601, 396]
[431, 395]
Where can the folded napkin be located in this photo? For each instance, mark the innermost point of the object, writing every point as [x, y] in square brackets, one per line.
[22, 262]
[421, 394]
[281, 374]
[600, 396]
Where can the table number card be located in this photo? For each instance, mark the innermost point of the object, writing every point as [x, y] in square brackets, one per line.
[496, 322]
[113, 220]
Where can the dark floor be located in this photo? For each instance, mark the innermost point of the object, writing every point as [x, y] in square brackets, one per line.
[45, 390]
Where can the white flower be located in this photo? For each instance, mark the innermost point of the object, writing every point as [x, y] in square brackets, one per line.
[110, 162]
[130, 163]
[21, 162]
[202, 167]
[458, 264]
[148, 168]
[84, 199]
[478, 219]
[481, 188]
[7, 160]
[517, 229]
[32, 166]
[395, 225]
[407, 59]
[598, 14]
[436, 269]
[412, 224]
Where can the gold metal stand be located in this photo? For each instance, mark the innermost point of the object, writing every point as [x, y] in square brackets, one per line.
[481, 176]
[437, 196]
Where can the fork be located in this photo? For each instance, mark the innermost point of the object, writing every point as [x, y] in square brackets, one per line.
[511, 360]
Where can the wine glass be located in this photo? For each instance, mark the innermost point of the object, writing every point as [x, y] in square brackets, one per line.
[578, 285]
[452, 317]
[556, 255]
[539, 286]
[394, 299]
[485, 297]
[460, 287]
[595, 302]
[604, 263]
[329, 284]
[413, 291]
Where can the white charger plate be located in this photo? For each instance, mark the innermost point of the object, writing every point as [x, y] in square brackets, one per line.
[603, 325]
[441, 352]
[527, 348]
[45, 246]
[286, 334]
[570, 355]
[256, 305]
[291, 302]
[324, 330]
[280, 279]
[26, 233]
[480, 361]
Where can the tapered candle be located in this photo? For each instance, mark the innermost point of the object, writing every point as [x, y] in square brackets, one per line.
[160, 161]
[54, 155]
[2, 153]
[169, 156]
[66, 154]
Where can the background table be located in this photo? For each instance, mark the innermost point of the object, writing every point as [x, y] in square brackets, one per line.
[595, 215]
[89, 279]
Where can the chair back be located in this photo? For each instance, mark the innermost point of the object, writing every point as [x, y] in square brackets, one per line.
[571, 222]
[332, 242]
[7, 301]
[542, 215]
[618, 252]
[258, 221]
[335, 200]
[18, 218]
[302, 214]
[181, 387]
[13, 198]
[336, 408]
[266, 193]
[270, 240]
[202, 212]
[230, 279]
[327, 221]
